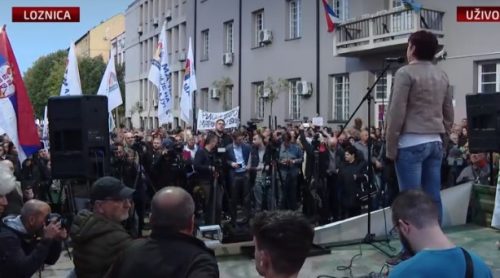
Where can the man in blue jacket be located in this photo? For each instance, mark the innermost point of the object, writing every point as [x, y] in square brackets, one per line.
[237, 155]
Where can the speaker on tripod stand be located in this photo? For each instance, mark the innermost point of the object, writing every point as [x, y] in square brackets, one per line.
[79, 136]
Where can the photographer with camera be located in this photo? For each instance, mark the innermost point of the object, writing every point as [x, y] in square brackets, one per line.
[260, 173]
[352, 176]
[208, 165]
[30, 240]
[317, 193]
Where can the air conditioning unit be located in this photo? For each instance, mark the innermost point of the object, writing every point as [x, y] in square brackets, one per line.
[265, 36]
[304, 88]
[182, 56]
[139, 30]
[227, 58]
[214, 93]
[156, 22]
[168, 14]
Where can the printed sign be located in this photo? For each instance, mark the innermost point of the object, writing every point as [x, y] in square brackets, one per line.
[317, 121]
[206, 120]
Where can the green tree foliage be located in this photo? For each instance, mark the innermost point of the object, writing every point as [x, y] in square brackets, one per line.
[44, 78]
[41, 78]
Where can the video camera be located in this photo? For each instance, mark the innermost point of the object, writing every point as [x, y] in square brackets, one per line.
[58, 218]
[219, 158]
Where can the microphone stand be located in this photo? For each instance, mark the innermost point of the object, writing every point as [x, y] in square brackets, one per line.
[370, 237]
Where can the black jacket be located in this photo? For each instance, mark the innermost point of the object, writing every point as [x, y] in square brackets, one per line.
[21, 255]
[203, 159]
[166, 254]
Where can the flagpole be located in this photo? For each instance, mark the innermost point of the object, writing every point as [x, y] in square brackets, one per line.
[194, 62]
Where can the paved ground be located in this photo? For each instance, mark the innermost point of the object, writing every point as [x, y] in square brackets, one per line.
[477, 239]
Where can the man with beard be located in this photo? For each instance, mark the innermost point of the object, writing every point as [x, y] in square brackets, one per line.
[27, 242]
[416, 217]
[98, 237]
[282, 241]
[224, 138]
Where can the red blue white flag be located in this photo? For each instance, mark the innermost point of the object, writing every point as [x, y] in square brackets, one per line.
[16, 113]
[330, 15]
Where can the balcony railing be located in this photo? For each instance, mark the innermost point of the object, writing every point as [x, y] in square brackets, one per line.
[386, 29]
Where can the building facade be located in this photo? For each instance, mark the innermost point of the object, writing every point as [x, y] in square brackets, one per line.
[143, 21]
[118, 47]
[276, 60]
[97, 41]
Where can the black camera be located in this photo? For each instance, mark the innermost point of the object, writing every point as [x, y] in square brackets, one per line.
[57, 218]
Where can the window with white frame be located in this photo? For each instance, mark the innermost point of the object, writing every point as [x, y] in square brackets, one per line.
[340, 96]
[294, 99]
[204, 45]
[203, 99]
[294, 9]
[383, 87]
[488, 80]
[258, 25]
[396, 3]
[228, 37]
[340, 8]
[258, 89]
[381, 100]
[228, 98]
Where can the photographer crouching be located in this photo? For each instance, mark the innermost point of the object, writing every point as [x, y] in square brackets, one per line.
[30, 240]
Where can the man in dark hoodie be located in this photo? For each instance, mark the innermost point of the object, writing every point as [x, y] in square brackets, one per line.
[98, 236]
[172, 250]
[27, 243]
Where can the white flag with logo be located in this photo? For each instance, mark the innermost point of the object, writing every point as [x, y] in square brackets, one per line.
[159, 75]
[45, 130]
[188, 87]
[109, 85]
[71, 82]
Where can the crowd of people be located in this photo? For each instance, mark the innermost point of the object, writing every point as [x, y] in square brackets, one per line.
[280, 182]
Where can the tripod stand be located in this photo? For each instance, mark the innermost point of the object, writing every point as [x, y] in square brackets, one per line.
[273, 164]
[370, 237]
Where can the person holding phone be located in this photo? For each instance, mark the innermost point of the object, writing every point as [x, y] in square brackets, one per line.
[237, 156]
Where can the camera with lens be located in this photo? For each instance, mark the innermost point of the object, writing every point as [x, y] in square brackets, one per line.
[138, 145]
[51, 217]
[251, 126]
[219, 158]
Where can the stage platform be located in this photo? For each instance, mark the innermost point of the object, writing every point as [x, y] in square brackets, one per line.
[478, 239]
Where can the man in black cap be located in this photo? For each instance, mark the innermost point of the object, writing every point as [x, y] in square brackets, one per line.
[98, 236]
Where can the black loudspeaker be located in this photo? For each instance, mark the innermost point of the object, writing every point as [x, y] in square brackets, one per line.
[79, 136]
[483, 122]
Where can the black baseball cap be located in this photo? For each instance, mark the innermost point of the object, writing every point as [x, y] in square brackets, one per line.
[110, 188]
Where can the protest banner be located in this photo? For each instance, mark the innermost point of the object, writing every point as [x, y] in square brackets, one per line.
[206, 120]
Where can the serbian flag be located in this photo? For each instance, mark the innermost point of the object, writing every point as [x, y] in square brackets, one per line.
[330, 15]
[16, 113]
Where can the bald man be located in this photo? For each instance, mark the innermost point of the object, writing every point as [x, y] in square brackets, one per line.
[27, 243]
[7, 185]
[171, 250]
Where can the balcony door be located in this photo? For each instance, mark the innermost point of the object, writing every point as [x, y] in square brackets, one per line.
[381, 99]
[401, 21]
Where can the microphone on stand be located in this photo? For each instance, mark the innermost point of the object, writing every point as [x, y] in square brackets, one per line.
[395, 60]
